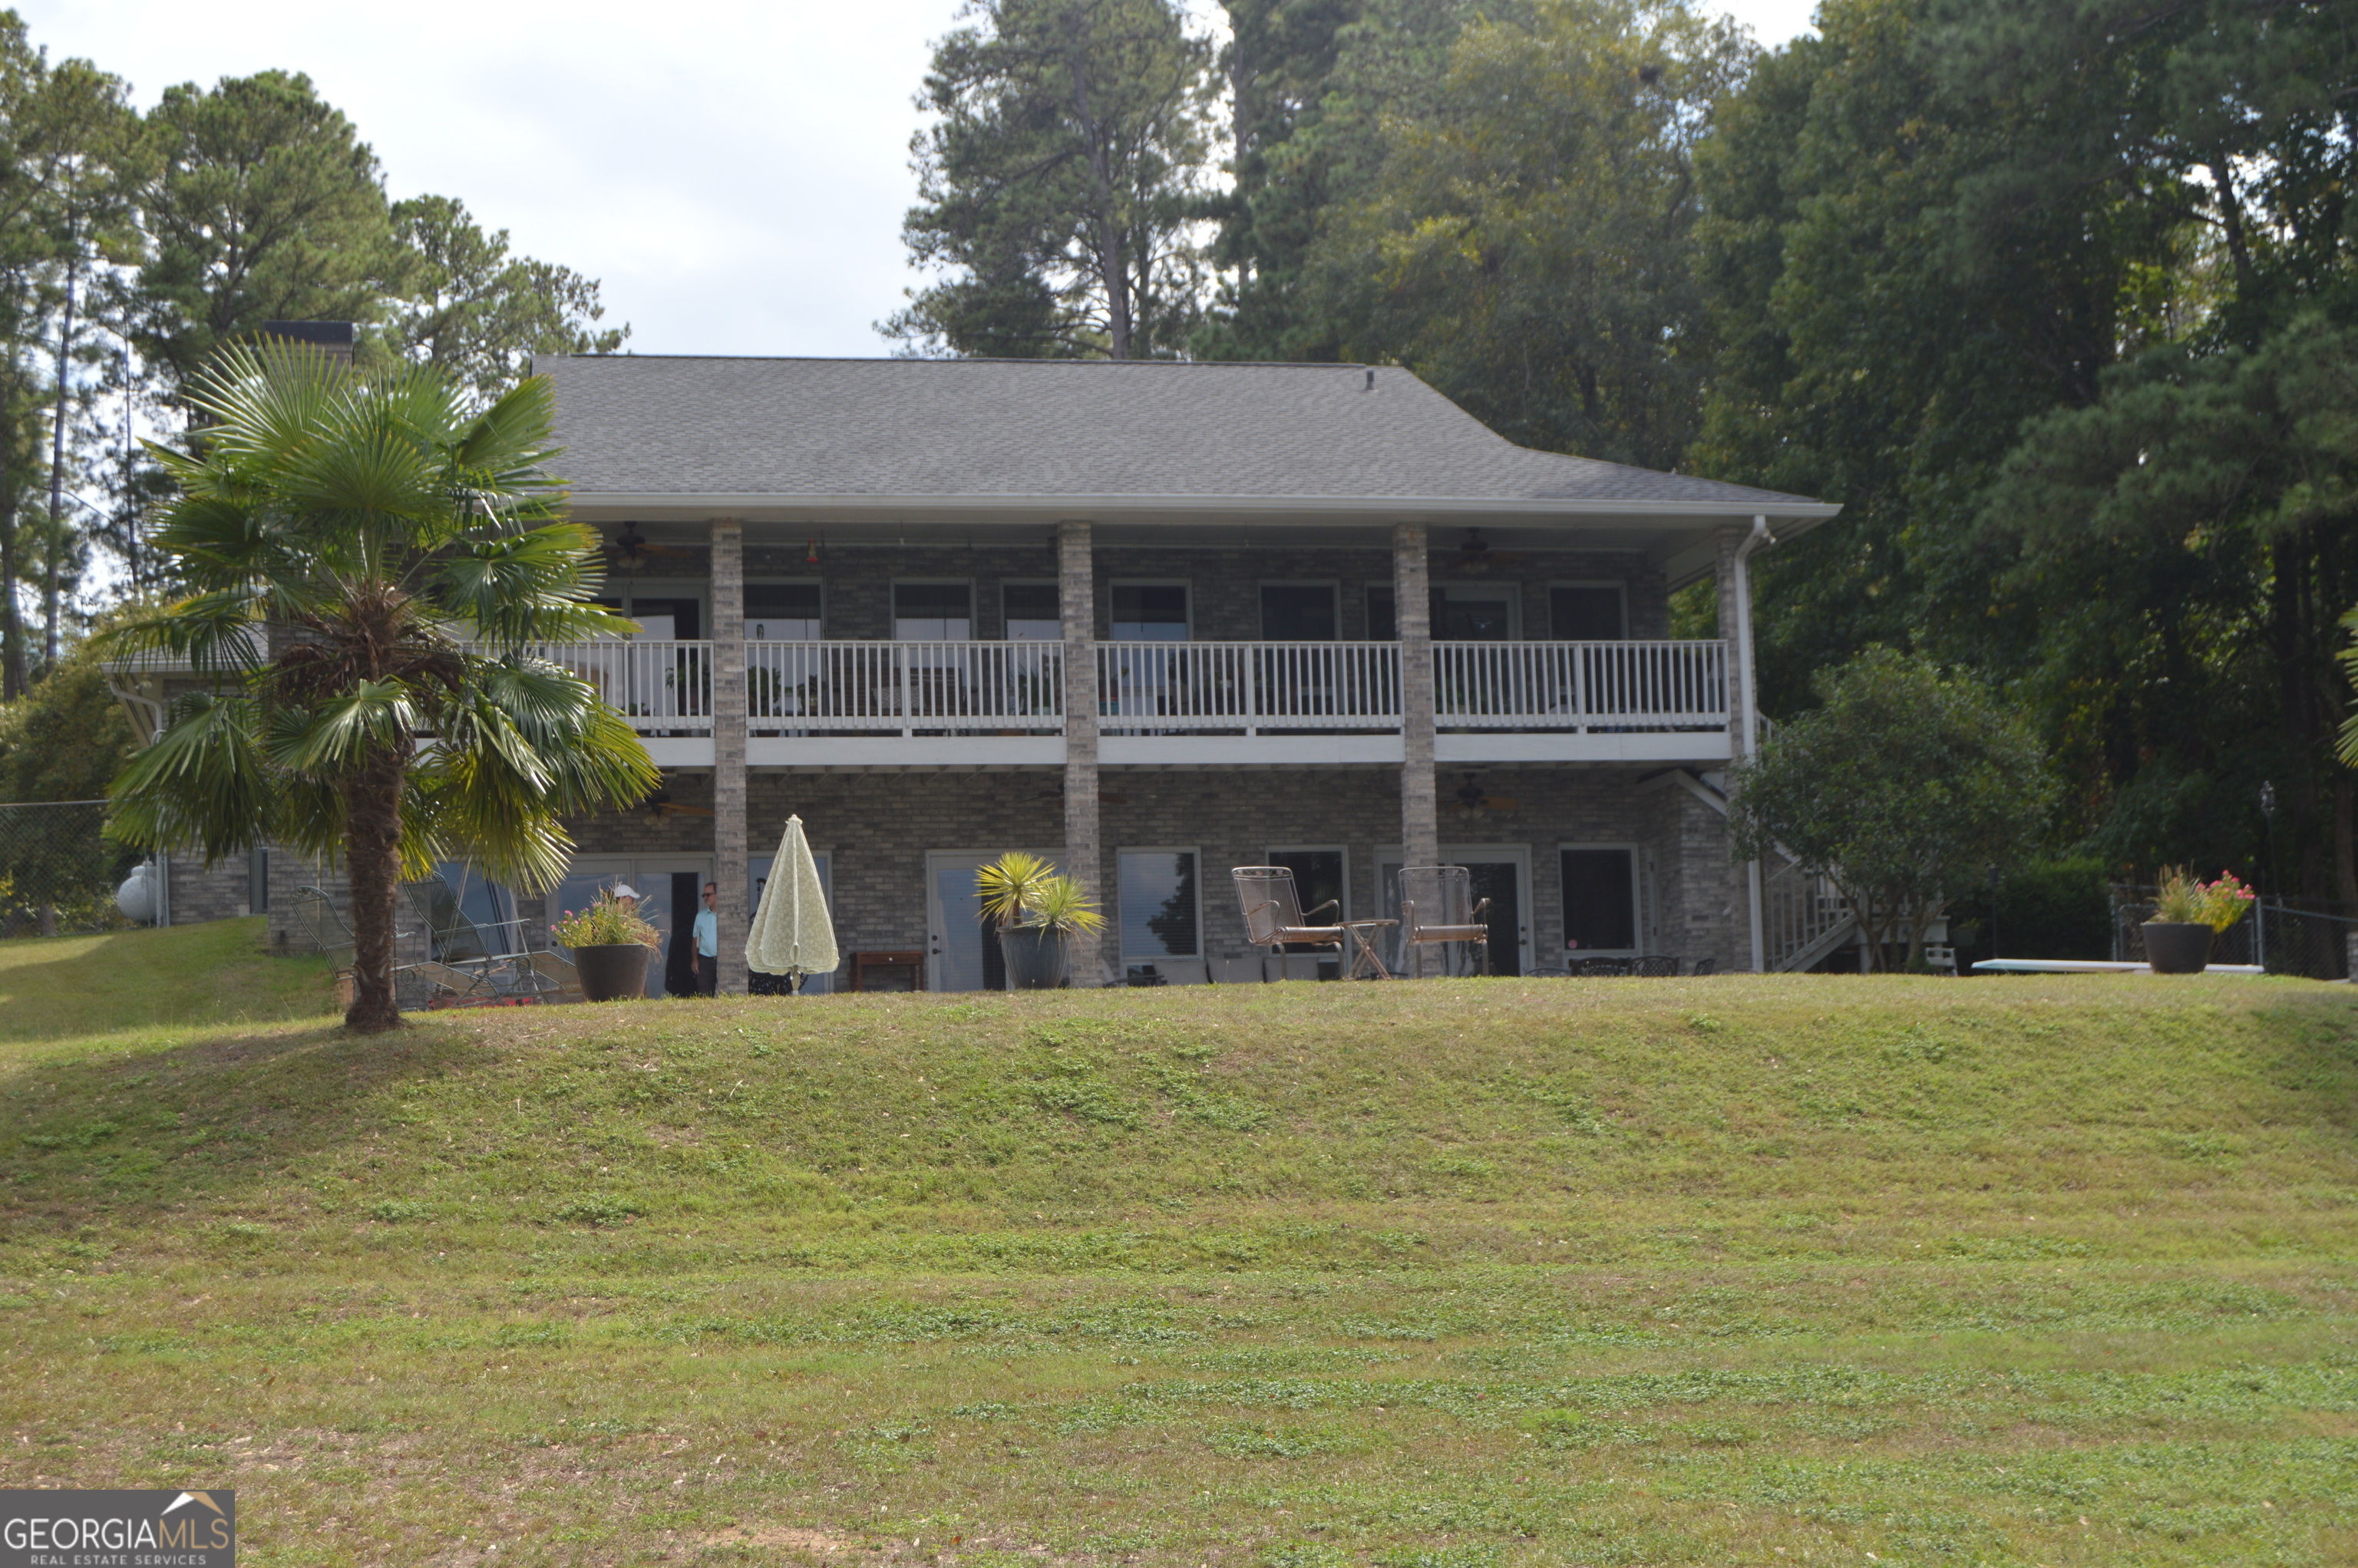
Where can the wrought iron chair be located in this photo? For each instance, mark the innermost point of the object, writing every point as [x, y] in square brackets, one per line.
[1656, 967]
[454, 941]
[1437, 904]
[1594, 969]
[315, 913]
[1707, 967]
[1273, 912]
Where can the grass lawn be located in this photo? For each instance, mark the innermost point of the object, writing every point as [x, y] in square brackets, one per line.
[1728, 1271]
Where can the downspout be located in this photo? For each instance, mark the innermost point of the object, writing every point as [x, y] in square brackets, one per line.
[1748, 741]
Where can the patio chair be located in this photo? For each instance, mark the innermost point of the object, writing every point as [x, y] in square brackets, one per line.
[1707, 967]
[552, 976]
[1657, 967]
[1594, 968]
[454, 939]
[1437, 904]
[414, 985]
[315, 913]
[1273, 912]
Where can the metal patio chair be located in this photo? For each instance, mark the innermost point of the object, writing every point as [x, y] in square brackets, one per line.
[1707, 967]
[1273, 912]
[1657, 967]
[1437, 904]
[315, 913]
[455, 942]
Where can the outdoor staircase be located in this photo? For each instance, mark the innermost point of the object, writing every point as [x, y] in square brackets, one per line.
[1803, 918]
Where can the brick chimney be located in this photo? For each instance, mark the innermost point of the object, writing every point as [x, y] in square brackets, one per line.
[333, 339]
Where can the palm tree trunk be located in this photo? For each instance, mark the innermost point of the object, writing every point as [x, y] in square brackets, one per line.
[373, 852]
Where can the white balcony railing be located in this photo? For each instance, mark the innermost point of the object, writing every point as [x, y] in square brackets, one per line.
[893, 688]
[1161, 689]
[1580, 688]
[662, 686]
[906, 688]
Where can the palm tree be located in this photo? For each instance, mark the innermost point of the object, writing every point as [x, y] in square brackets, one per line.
[369, 559]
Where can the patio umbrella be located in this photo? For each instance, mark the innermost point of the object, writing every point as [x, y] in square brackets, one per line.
[791, 934]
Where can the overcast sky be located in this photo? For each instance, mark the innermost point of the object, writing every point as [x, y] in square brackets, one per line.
[734, 173]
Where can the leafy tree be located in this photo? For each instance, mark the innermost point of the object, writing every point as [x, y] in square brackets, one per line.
[1525, 245]
[370, 557]
[264, 206]
[479, 313]
[1060, 182]
[64, 741]
[1899, 788]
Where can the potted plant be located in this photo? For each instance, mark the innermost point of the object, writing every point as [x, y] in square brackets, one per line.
[610, 943]
[2186, 915]
[1036, 911]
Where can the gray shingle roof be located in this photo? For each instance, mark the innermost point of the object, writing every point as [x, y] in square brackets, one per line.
[1028, 429]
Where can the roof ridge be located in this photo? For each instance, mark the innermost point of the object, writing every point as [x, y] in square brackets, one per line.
[974, 360]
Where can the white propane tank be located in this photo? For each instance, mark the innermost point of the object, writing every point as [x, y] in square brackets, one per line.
[136, 897]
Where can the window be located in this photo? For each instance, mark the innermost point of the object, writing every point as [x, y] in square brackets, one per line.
[1461, 612]
[661, 619]
[1035, 613]
[1160, 915]
[1474, 613]
[783, 612]
[1600, 901]
[1586, 612]
[1150, 612]
[933, 611]
[1298, 612]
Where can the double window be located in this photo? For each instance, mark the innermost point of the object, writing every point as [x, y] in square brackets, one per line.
[783, 613]
[1032, 613]
[933, 611]
[1461, 612]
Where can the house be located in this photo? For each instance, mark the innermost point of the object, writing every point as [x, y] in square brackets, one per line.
[1156, 619]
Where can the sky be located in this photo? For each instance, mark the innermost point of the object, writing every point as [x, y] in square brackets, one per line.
[733, 172]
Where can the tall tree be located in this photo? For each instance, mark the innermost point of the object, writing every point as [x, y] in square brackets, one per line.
[26, 164]
[264, 206]
[1061, 182]
[479, 313]
[1525, 247]
[371, 558]
[96, 159]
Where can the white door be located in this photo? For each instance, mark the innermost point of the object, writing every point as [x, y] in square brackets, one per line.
[1501, 873]
[962, 954]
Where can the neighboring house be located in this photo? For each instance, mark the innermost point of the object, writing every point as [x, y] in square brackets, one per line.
[1158, 620]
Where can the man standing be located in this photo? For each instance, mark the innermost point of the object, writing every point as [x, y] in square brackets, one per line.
[707, 942]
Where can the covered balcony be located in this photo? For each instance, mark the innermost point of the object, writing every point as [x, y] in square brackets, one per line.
[981, 704]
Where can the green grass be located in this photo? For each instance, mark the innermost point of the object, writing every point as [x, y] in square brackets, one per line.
[58, 988]
[1486, 1273]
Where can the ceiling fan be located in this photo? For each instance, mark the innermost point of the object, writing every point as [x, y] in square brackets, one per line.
[1472, 796]
[632, 549]
[660, 807]
[1476, 555]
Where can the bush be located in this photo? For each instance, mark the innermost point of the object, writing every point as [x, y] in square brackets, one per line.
[2047, 908]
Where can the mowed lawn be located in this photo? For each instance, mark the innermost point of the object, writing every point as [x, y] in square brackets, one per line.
[1728, 1271]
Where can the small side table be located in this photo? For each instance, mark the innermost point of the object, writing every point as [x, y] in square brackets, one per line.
[1366, 962]
[897, 971]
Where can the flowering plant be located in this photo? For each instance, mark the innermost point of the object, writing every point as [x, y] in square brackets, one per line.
[2185, 899]
[609, 922]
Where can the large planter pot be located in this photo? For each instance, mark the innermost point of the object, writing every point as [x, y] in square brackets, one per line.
[2177, 946]
[614, 971]
[1037, 957]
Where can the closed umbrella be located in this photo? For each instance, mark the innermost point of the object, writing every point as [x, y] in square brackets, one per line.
[791, 934]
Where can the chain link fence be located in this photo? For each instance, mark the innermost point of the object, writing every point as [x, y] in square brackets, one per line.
[2285, 936]
[58, 870]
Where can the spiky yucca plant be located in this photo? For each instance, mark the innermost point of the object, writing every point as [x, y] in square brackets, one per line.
[369, 558]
